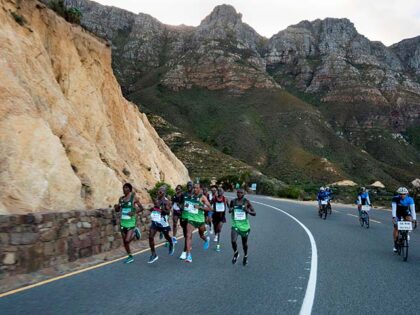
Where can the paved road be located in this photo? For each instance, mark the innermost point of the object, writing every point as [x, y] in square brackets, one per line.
[357, 273]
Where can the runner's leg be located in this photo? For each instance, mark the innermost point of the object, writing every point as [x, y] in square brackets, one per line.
[152, 233]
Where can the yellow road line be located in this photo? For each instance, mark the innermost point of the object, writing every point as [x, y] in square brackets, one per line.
[31, 286]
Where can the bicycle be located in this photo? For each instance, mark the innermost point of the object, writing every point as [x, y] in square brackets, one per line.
[323, 211]
[329, 208]
[364, 216]
[403, 238]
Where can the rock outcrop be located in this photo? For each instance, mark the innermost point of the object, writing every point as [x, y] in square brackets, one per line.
[68, 138]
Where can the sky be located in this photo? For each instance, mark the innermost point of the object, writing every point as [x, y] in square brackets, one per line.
[388, 21]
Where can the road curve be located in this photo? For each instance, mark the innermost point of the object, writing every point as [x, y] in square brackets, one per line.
[356, 273]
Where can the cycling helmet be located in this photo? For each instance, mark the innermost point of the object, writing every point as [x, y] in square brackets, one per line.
[363, 189]
[321, 188]
[327, 188]
[402, 191]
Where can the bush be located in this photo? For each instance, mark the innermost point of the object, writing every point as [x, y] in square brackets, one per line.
[19, 18]
[290, 192]
[72, 15]
[169, 190]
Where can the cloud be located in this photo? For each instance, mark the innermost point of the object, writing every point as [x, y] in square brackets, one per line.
[389, 21]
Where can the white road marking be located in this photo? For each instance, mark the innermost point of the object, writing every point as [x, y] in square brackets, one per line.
[356, 216]
[308, 300]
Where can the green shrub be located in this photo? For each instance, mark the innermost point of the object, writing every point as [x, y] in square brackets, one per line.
[19, 18]
[290, 192]
[169, 190]
[72, 15]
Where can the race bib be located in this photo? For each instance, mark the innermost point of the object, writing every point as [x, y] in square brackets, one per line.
[365, 208]
[176, 207]
[405, 226]
[324, 202]
[190, 208]
[156, 216]
[220, 206]
[239, 215]
[124, 214]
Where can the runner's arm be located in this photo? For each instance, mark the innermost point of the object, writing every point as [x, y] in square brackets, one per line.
[250, 209]
[138, 204]
[206, 204]
[231, 206]
[117, 206]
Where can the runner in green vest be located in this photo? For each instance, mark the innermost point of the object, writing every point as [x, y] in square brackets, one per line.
[129, 205]
[183, 220]
[194, 207]
[240, 208]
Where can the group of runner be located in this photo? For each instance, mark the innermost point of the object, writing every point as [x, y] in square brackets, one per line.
[196, 208]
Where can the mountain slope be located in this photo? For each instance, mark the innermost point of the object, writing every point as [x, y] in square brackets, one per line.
[354, 111]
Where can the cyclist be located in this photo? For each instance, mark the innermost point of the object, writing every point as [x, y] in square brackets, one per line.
[322, 196]
[402, 207]
[363, 199]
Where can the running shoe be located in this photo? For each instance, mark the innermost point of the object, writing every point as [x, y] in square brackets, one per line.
[216, 238]
[206, 244]
[235, 257]
[174, 240]
[245, 260]
[183, 256]
[218, 248]
[171, 249]
[129, 259]
[394, 249]
[137, 232]
[166, 244]
[189, 258]
[153, 258]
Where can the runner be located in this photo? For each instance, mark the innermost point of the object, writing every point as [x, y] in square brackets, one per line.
[159, 215]
[184, 216]
[209, 214]
[177, 204]
[129, 205]
[195, 207]
[220, 204]
[240, 208]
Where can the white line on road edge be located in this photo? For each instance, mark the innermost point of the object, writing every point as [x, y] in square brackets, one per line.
[308, 301]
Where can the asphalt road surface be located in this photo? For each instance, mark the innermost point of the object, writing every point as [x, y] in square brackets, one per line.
[300, 264]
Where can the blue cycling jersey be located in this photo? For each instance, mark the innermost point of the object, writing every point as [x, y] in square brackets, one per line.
[323, 195]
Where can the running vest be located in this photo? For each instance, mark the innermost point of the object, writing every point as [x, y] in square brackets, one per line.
[219, 206]
[127, 221]
[240, 217]
[191, 213]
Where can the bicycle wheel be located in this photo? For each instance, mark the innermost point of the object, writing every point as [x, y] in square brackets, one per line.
[404, 248]
[361, 220]
[329, 210]
[325, 212]
[367, 220]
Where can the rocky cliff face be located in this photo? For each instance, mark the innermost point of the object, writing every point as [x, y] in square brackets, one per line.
[68, 138]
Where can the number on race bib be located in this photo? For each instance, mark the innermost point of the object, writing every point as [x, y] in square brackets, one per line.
[124, 214]
[156, 216]
[191, 208]
[239, 215]
[405, 226]
[220, 206]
